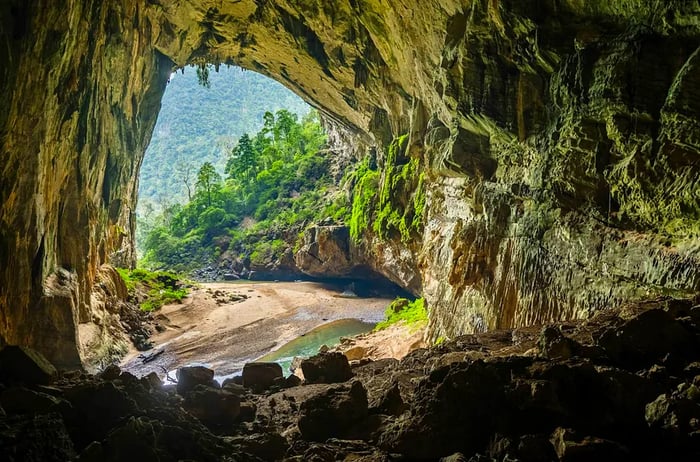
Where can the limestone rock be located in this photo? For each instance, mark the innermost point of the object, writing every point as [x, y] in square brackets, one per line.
[355, 353]
[191, 376]
[261, 376]
[332, 412]
[36, 438]
[648, 337]
[214, 407]
[19, 400]
[570, 448]
[267, 446]
[111, 372]
[553, 344]
[327, 251]
[553, 147]
[24, 365]
[326, 368]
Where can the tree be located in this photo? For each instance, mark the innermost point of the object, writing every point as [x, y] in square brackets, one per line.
[208, 181]
[184, 172]
[243, 161]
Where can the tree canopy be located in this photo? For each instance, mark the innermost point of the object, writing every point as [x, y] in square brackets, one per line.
[277, 179]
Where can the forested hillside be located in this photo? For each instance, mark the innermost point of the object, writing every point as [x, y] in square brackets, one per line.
[275, 183]
[199, 124]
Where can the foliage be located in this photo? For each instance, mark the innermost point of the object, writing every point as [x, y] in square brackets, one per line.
[401, 309]
[198, 124]
[161, 287]
[203, 75]
[276, 183]
[364, 193]
[392, 200]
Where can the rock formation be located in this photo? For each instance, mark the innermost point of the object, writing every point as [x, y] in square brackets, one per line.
[557, 141]
[622, 386]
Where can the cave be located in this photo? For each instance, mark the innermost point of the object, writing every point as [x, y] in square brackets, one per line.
[558, 143]
[558, 140]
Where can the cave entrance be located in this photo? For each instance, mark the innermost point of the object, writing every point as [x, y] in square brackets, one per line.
[204, 111]
[229, 227]
[237, 168]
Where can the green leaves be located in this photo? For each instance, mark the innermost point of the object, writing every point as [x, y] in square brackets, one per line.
[273, 177]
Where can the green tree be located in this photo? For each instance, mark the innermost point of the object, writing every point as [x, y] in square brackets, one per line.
[242, 164]
[208, 181]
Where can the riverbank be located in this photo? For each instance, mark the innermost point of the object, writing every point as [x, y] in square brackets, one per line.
[226, 324]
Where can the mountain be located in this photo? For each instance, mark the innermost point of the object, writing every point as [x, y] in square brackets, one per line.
[199, 124]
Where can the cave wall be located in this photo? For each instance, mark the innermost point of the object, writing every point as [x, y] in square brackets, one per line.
[81, 90]
[558, 139]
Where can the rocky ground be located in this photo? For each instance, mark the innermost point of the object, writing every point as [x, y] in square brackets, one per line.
[227, 324]
[624, 385]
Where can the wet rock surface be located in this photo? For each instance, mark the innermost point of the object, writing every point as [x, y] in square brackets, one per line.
[565, 392]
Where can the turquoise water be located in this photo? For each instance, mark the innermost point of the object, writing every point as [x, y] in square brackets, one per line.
[308, 344]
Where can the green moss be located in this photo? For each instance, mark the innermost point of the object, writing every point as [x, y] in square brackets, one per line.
[401, 309]
[402, 197]
[364, 193]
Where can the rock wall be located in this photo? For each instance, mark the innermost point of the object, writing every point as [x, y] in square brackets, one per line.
[558, 141]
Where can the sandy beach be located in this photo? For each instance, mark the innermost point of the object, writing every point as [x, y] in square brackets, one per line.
[210, 327]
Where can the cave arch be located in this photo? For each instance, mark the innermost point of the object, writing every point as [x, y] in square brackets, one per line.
[496, 96]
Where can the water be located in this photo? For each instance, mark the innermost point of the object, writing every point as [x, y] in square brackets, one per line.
[308, 344]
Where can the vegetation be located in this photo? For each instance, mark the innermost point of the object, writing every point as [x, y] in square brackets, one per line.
[202, 115]
[364, 193]
[159, 287]
[276, 183]
[402, 309]
[393, 200]
[253, 203]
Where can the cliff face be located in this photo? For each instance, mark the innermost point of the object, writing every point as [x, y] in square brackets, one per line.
[558, 143]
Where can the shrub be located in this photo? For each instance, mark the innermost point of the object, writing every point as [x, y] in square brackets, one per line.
[160, 287]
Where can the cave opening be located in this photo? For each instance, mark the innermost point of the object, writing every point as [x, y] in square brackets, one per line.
[237, 168]
[204, 112]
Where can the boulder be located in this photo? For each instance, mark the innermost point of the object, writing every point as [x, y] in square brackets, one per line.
[24, 365]
[646, 338]
[676, 414]
[265, 446]
[260, 376]
[191, 376]
[292, 381]
[332, 412]
[234, 387]
[18, 400]
[145, 439]
[212, 406]
[571, 448]
[355, 353]
[35, 438]
[96, 408]
[326, 368]
[456, 457]
[247, 412]
[152, 381]
[554, 345]
[535, 448]
[111, 372]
